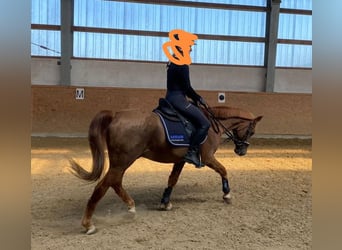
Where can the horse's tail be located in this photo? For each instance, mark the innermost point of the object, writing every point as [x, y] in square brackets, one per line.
[97, 142]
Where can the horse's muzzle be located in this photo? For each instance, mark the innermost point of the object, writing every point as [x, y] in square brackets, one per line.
[240, 152]
[241, 148]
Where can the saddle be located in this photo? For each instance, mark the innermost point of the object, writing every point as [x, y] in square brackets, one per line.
[178, 129]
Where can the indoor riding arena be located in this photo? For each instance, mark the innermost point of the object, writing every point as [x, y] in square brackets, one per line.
[88, 56]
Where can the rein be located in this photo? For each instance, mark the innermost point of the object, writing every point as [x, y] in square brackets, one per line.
[216, 123]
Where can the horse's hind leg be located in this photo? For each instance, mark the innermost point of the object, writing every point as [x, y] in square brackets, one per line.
[113, 179]
[116, 178]
[173, 178]
[99, 191]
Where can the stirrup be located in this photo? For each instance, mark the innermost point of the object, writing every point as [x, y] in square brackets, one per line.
[192, 157]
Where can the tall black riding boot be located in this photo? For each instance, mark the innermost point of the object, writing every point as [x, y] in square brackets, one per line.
[193, 157]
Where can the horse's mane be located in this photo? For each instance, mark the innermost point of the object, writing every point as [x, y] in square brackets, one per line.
[225, 112]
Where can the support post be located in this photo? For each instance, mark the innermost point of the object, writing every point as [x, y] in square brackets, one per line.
[272, 22]
[67, 15]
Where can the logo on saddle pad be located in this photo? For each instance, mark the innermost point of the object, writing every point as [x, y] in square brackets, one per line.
[178, 129]
[177, 137]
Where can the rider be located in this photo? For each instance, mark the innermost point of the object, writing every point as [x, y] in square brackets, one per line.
[178, 88]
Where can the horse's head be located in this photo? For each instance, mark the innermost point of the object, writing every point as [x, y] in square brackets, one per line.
[242, 131]
[237, 124]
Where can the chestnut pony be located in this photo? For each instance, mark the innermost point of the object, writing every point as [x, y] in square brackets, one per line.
[129, 135]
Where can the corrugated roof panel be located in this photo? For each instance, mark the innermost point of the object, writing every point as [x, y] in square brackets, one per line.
[228, 52]
[164, 18]
[148, 17]
[296, 4]
[290, 55]
[45, 43]
[148, 48]
[45, 12]
[241, 2]
[298, 27]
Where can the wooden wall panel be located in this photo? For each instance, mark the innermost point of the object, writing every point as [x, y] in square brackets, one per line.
[56, 111]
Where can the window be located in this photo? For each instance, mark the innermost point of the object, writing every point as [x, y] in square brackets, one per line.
[124, 30]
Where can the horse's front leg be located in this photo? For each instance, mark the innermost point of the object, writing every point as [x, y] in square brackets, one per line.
[173, 178]
[219, 168]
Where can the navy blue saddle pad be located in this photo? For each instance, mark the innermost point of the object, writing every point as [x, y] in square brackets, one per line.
[177, 129]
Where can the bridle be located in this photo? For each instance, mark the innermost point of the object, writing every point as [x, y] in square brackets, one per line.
[216, 123]
[241, 142]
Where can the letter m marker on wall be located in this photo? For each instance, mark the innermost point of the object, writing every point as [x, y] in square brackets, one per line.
[79, 94]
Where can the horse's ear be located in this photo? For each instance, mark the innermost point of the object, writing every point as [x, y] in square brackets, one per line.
[258, 119]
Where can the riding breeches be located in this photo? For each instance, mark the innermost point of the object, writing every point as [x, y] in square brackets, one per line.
[191, 112]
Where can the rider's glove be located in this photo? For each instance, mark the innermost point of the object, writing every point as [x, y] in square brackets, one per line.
[202, 102]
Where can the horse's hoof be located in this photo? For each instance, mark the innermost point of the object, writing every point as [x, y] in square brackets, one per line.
[166, 207]
[227, 198]
[132, 210]
[91, 230]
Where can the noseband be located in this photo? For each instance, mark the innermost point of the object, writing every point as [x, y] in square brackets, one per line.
[244, 142]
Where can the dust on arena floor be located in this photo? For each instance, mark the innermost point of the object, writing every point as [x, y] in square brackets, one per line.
[271, 208]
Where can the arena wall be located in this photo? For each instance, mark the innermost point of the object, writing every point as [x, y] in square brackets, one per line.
[109, 73]
[56, 111]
